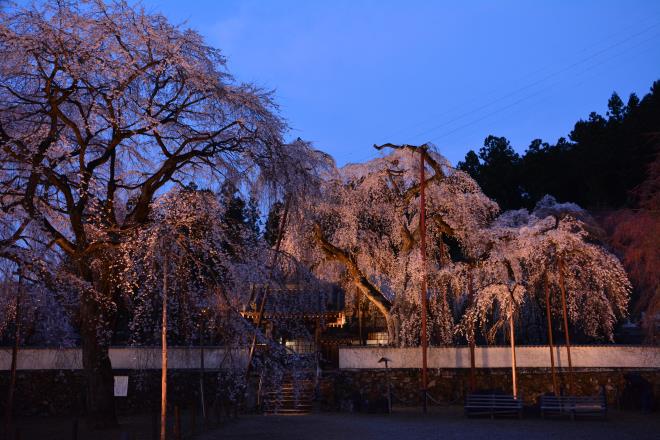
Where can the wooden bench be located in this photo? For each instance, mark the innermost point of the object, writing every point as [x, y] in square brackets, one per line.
[492, 405]
[574, 406]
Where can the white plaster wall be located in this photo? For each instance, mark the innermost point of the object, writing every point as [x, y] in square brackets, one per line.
[351, 357]
[500, 357]
[125, 358]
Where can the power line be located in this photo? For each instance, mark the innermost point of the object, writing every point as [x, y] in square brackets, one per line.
[548, 96]
[537, 82]
[516, 91]
[577, 63]
[524, 98]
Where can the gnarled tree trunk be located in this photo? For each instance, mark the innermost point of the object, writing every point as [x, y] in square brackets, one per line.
[97, 312]
[366, 287]
[96, 364]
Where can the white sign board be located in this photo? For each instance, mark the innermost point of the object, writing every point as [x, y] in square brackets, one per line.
[121, 386]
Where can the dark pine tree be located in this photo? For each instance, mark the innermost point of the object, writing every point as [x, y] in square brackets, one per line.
[496, 170]
[271, 229]
[601, 162]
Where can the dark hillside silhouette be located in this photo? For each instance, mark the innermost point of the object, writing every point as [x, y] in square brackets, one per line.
[601, 162]
[608, 164]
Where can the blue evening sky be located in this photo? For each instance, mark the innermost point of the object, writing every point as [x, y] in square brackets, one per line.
[349, 74]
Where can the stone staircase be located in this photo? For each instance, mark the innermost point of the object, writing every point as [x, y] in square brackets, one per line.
[294, 397]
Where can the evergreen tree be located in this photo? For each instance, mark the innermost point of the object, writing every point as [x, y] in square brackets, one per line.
[252, 217]
[496, 171]
[601, 162]
[471, 164]
[615, 107]
[271, 229]
[233, 219]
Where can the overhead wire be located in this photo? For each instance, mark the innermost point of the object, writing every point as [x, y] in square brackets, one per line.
[538, 92]
[537, 82]
[578, 63]
[518, 90]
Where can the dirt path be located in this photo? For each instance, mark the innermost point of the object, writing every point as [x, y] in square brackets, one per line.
[446, 424]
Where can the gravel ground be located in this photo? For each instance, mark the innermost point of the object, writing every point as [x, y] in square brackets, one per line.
[137, 426]
[445, 424]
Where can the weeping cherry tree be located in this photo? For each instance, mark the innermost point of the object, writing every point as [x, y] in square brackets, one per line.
[102, 107]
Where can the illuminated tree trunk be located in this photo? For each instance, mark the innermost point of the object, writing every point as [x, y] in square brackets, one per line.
[550, 341]
[163, 373]
[566, 333]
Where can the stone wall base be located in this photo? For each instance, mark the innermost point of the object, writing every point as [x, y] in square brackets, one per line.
[62, 392]
[624, 388]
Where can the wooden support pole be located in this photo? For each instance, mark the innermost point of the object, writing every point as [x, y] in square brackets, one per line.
[473, 376]
[548, 313]
[471, 341]
[163, 370]
[513, 357]
[202, 397]
[566, 332]
[359, 311]
[422, 231]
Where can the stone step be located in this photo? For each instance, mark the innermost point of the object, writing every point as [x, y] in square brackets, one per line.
[289, 392]
[299, 386]
[287, 411]
[288, 401]
[288, 408]
[294, 397]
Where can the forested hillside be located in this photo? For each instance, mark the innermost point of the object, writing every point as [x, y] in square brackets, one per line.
[609, 165]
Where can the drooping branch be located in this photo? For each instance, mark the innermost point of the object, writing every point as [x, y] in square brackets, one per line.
[361, 281]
